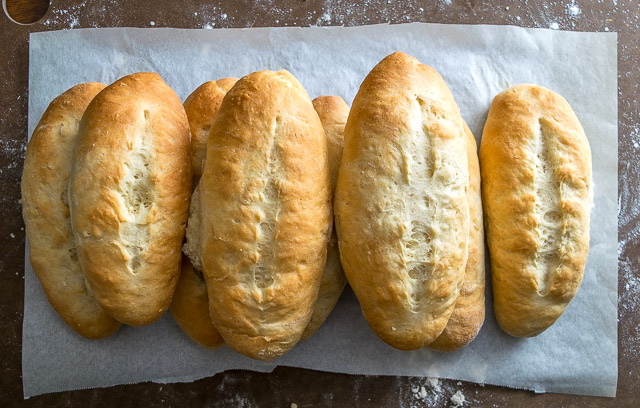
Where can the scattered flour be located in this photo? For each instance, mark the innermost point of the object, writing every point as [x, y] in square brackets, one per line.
[553, 25]
[457, 399]
[573, 10]
[432, 393]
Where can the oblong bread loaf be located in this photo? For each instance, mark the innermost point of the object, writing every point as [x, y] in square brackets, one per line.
[266, 214]
[402, 212]
[536, 188]
[333, 113]
[45, 209]
[129, 196]
[190, 303]
[468, 315]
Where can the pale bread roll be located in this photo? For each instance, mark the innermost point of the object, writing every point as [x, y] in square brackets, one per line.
[45, 210]
[129, 196]
[333, 113]
[190, 304]
[402, 212]
[536, 188]
[468, 315]
[266, 214]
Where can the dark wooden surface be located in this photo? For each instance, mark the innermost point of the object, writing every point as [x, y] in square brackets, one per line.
[285, 386]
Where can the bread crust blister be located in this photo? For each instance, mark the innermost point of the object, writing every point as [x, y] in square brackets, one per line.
[266, 214]
[537, 190]
[129, 196]
[402, 211]
[45, 209]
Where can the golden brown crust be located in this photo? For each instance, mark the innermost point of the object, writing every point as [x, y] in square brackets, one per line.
[190, 307]
[333, 113]
[402, 212]
[536, 181]
[468, 315]
[129, 196]
[201, 107]
[45, 210]
[266, 214]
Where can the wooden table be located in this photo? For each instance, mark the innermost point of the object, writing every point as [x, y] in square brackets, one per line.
[285, 386]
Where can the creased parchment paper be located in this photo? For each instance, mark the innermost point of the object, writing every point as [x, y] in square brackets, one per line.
[576, 355]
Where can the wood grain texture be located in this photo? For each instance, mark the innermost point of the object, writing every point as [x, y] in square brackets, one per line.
[26, 11]
[291, 385]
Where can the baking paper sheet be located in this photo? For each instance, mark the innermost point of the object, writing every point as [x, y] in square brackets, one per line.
[576, 355]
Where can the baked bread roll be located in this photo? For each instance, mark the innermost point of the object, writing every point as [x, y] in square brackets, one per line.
[201, 107]
[402, 212]
[45, 209]
[129, 196]
[190, 307]
[190, 304]
[536, 189]
[333, 113]
[468, 315]
[266, 214]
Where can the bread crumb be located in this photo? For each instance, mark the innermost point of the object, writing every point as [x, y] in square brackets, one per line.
[294, 405]
[457, 399]
[12, 235]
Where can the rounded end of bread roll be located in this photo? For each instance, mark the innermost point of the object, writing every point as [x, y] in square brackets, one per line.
[201, 107]
[190, 308]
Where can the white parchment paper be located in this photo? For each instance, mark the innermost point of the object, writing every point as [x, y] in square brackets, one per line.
[576, 355]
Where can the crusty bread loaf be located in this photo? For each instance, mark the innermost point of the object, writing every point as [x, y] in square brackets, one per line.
[468, 315]
[266, 214]
[129, 196]
[190, 304]
[45, 210]
[190, 307]
[333, 113]
[201, 107]
[536, 188]
[402, 212]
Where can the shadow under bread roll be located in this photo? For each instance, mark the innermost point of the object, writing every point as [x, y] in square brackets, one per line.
[333, 113]
[402, 210]
[266, 214]
[45, 210]
[129, 196]
[468, 315]
[190, 303]
[537, 195]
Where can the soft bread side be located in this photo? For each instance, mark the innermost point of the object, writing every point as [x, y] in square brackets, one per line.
[468, 315]
[201, 107]
[333, 113]
[266, 214]
[402, 212]
[45, 210]
[536, 184]
[129, 196]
